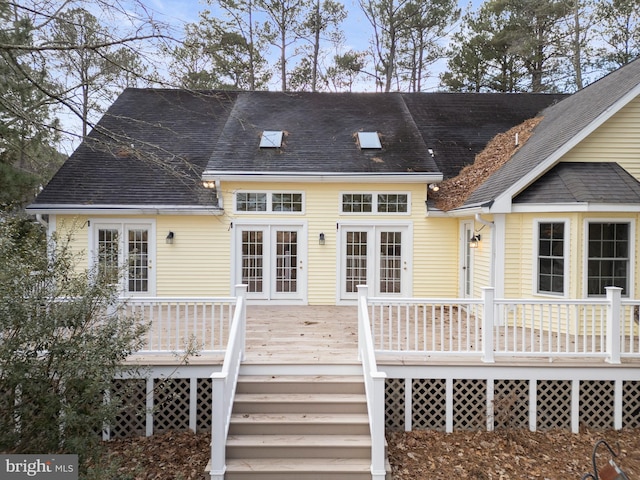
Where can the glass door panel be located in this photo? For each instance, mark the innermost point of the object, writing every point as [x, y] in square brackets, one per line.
[286, 255]
[390, 273]
[355, 260]
[253, 260]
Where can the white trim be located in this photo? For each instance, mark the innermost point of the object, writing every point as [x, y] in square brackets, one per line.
[578, 207]
[374, 202]
[124, 210]
[503, 202]
[268, 225]
[269, 200]
[631, 259]
[565, 253]
[331, 177]
[122, 224]
[498, 252]
[373, 268]
[466, 225]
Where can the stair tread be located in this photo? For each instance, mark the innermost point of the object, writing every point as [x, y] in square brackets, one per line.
[301, 378]
[300, 418]
[298, 464]
[297, 397]
[299, 440]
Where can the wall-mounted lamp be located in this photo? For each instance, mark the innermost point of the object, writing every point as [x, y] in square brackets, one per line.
[169, 238]
[434, 187]
[321, 239]
[474, 242]
[209, 184]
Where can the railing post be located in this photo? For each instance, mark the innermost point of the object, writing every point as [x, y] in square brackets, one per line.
[363, 293]
[614, 309]
[488, 317]
[218, 444]
[241, 292]
[378, 457]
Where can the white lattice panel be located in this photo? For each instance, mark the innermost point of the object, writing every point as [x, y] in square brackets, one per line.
[429, 409]
[131, 420]
[631, 404]
[171, 404]
[203, 407]
[596, 404]
[469, 404]
[554, 404]
[394, 404]
[511, 404]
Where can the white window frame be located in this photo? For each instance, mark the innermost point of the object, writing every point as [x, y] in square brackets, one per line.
[123, 224]
[631, 258]
[269, 198]
[566, 248]
[374, 203]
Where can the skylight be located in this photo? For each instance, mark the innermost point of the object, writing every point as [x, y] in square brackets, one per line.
[369, 140]
[271, 139]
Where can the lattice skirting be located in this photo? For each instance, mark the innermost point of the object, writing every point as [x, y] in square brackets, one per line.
[449, 404]
[158, 405]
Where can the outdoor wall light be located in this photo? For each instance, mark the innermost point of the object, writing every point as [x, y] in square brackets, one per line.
[474, 242]
[434, 187]
[209, 184]
[321, 239]
[169, 238]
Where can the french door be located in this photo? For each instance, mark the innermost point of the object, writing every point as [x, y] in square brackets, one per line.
[377, 256]
[123, 254]
[269, 260]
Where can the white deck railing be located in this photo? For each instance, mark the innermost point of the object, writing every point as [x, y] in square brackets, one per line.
[489, 327]
[224, 386]
[374, 382]
[183, 324]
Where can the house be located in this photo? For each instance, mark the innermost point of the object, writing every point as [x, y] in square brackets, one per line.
[310, 194]
[302, 197]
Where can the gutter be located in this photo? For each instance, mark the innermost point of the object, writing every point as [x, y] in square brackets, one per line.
[61, 209]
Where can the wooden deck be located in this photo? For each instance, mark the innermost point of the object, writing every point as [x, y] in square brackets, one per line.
[302, 335]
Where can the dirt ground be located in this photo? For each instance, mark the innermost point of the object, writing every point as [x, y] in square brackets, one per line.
[505, 455]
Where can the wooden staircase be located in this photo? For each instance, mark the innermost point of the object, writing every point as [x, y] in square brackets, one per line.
[299, 427]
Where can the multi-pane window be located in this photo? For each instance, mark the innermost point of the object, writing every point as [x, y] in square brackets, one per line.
[357, 202]
[251, 202]
[392, 203]
[108, 257]
[123, 256]
[286, 202]
[608, 257]
[375, 203]
[269, 202]
[551, 257]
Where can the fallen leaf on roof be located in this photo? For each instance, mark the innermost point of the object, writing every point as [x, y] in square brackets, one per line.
[455, 191]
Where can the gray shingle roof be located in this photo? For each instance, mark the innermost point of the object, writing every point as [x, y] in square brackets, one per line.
[153, 145]
[149, 148]
[561, 123]
[457, 126]
[320, 135]
[583, 182]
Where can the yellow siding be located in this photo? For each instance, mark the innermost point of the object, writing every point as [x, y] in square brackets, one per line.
[616, 140]
[76, 228]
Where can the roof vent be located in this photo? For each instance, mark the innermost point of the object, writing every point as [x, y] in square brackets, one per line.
[271, 139]
[369, 140]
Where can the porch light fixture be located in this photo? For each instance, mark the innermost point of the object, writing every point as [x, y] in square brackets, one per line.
[321, 239]
[434, 187]
[209, 184]
[474, 242]
[169, 238]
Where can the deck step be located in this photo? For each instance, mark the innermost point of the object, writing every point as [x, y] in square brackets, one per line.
[300, 469]
[299, 423]
[298, 446]
[299, 427]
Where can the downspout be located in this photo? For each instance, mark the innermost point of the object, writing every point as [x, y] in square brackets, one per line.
[492, 265]
[42, 221]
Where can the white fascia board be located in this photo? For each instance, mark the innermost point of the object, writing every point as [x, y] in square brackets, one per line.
[502, 203]
[576, 207]
[329, 177]
[122, 210]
